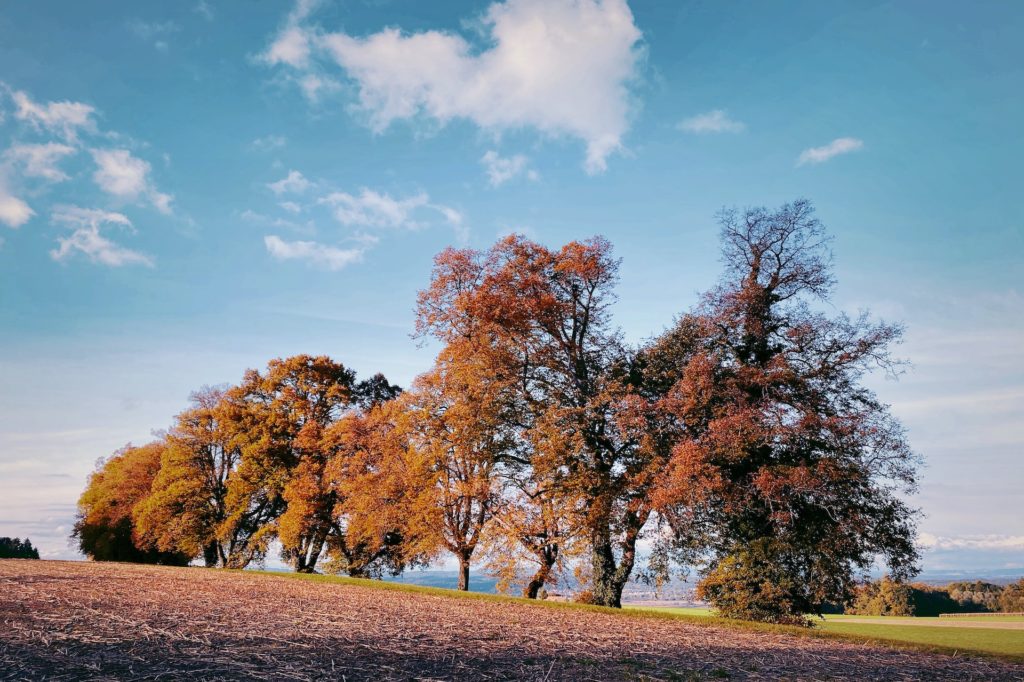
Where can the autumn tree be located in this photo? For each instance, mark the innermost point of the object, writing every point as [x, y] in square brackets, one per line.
[380, 487]
[187, 508]
[545, 317]
[456, 430]
[1012, 598]
[532, 527]
[777, 443]
[885, 597]
[104, 526]
[286, 411]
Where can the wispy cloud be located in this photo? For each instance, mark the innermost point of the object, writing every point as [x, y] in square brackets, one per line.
[840, 145]
[86, 238]
[64, 118]
[315, 253]
[204, 10]
[294, 183]
[269, 142]
[370, 208]
[981, 542]
[40, 160]
[715, 121]
[502, 169]
[125, 176]
[562, 67]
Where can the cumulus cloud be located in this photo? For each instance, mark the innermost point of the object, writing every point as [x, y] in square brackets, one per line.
[64, 118]
[563, 67]
[715, 121]
[86, 237]
[985, 542]
[122, 175]
[322, 255]
[40, 160]
[840, 145]
[13, 211]
[294, 183]
[502, 169]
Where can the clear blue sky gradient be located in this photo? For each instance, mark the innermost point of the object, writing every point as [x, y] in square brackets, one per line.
[927, 213]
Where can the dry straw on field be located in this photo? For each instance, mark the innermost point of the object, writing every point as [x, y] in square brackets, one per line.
[117, 621]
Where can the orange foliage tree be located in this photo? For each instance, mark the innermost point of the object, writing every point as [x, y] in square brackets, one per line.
[187, 508]
[287, 411]
[104, 527]
[544, 315]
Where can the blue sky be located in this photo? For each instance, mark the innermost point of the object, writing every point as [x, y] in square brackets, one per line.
[190, 189]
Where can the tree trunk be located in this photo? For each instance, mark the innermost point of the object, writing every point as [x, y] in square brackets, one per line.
[537, 581]
[464, 571]
[607, 590]
[211, 554]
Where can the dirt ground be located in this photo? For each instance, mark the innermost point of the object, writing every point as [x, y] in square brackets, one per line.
[76, 620]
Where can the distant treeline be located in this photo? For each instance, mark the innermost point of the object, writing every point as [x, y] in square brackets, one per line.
[741, 440]
[15, 548]
[887, 597]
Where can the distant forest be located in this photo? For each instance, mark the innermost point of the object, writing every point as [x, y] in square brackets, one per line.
[15, 548]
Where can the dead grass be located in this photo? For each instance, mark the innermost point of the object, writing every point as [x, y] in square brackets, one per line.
[70, 620]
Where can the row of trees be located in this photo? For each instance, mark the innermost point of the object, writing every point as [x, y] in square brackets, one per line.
[16, 548]
[887, 597]
[741, 440]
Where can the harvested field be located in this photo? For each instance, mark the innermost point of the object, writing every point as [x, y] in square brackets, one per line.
[68, 620]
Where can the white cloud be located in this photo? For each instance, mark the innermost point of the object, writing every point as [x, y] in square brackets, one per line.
[292, 47]
[562, 67]
[330, 257]
[13, 211]
[502, 169]
[127, 177]
[373, 209]
[269, 142]
[293, 44]
[290, 206]
[86, 238]
[40, 160]
[716, 121]
[840, 145]
[988, 542]
[293, 183]
[64, 118]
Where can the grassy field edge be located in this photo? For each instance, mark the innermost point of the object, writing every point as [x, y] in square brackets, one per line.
[702, 621]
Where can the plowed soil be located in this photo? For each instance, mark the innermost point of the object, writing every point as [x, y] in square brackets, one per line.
[77, 620]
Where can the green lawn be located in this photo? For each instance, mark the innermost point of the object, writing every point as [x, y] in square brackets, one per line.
[1001, 642]
[1006, 642]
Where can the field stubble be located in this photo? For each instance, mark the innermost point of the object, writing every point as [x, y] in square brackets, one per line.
[76, 620]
